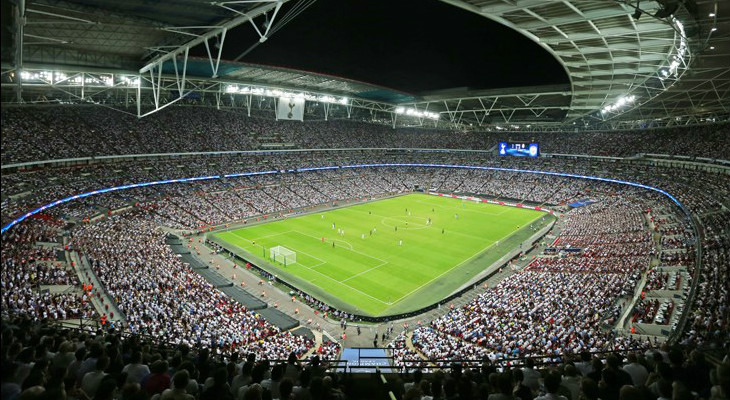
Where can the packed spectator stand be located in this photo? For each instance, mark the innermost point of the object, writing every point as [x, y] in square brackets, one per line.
[619, 236]
[33, 133]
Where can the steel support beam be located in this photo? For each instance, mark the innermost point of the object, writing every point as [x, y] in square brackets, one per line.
[218, 33]
[200, 39]
[20, 20]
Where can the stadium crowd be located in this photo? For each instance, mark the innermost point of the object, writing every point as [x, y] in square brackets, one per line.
[162, 297]
[661, 373]
[48, 362]
[170, 205]
[167, 202]
[567, 304]
[556, 304]
[27, 266]
[59, 132]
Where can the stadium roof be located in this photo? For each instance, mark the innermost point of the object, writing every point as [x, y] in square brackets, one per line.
[289, 78]
[627, 64]
[612, 49]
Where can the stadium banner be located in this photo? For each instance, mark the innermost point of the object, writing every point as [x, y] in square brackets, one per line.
[291, 109]
[501, 203]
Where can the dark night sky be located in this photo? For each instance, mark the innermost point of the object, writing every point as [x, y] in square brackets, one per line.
[408, 45]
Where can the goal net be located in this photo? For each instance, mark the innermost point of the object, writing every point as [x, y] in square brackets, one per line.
[282, 255]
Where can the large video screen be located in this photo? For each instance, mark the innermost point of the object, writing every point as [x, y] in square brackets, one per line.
[519, 149]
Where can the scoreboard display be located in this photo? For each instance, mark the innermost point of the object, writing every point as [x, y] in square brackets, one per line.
[518, 149]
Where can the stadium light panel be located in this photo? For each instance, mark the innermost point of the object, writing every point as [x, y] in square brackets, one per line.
[130, 80]
[621, 102]
[262, 91]
[412, 112]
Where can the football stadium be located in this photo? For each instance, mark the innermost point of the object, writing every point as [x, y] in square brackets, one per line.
[326, 199]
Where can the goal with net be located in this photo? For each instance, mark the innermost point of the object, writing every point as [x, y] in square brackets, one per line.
[282, 255]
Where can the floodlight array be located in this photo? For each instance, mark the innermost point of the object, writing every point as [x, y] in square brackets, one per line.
[260, 91]
[130, 80]
[621, 102]
[79, 79]
[679, 58]
[417, 113]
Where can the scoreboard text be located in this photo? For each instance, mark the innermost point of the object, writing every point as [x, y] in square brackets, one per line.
[519, 149]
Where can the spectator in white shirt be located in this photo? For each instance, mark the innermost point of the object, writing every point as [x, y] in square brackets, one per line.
[638, 372]
[135, 370]
[91, 380]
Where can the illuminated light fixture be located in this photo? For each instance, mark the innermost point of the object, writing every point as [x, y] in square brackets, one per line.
[620, 103]
[417, 113]
[234, 89]
[712, 47]
[714, 28]
[712, 15]
[679, 58]
[130, 80]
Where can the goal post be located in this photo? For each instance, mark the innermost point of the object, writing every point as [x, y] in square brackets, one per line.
[282, 255]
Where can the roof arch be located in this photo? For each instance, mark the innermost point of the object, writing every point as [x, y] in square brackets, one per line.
[627, 66]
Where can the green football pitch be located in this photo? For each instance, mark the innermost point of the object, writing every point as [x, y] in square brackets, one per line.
[388, 256]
